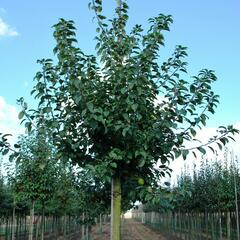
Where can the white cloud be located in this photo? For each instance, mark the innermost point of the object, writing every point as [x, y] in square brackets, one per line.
[6, 30]
[9, 123]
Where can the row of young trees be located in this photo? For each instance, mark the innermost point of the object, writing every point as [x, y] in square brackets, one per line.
[103, 112]
[209, 195]
[212, 188]
[45, 188]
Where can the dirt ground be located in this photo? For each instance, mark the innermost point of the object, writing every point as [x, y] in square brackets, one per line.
[131, 230]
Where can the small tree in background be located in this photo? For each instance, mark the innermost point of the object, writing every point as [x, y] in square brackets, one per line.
[34, 177]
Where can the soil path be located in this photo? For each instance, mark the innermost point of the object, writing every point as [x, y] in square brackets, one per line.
[131, 230]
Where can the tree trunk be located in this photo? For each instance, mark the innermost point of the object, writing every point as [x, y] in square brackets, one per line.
[220, 225]
[236, 198]
[13, 221]
[65, 226]
[52, 224]
[87, 232]
[30, 236]
[18, 226]
[212, 226]
[37, 229]
[228, 225]
[116, 194]
[43, 223]
[25, 225]
[83, 225]
[116, 208]
[100, 222]
[7, 227]
[180, 224]
[206, 221]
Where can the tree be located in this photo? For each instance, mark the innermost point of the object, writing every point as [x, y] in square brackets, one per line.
[93, 198]
[35, 174]
[121, 111]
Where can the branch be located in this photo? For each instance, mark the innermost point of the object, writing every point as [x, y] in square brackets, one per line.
[100, 24]
[215, 139]
[48, 101]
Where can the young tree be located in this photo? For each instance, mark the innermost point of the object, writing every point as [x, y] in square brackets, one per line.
[121, 111]
[93, 197]
[34, 175]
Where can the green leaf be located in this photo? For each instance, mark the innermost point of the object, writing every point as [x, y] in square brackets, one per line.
[124, 132]
[47, 109]
[232, 138]
[90, 107]
[84, 112]
[106, 113]
[192, 88]
[11, 157]
[129, 155]
[143, 153]
[123, 90]
[219, 145]
[224, 141]
[116, 154]
[134, 107]
[113, 164]
[98, 2]
[202, 150]
[5, 151]
[101, 17]
[21, 115]
[89, 5]
[211, 149]
[167, 184]
[28, 126]
[184, 154]
[126, 117]
[177, 153]
[193, 132]
[141, 162]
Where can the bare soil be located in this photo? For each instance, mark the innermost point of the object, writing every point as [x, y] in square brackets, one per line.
[131, 230]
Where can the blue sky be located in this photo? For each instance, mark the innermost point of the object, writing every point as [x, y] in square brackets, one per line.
[210, 29]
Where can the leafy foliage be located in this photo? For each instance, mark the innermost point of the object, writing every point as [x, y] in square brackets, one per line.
[211, 188]
[121, 111]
